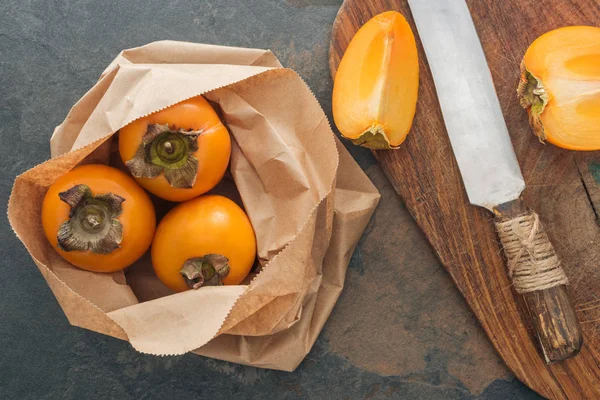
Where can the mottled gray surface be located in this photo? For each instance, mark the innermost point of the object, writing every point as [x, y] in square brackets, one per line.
[400, 329]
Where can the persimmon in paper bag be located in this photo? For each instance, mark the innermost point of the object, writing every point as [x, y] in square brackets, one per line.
[308, 201]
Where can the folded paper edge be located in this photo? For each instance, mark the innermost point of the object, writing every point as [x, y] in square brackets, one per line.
[303, 226]
[94, 145]
[107, 136]
[122, 57]
[267, 69]
[104, 79]
[330, 191]
[10, 206]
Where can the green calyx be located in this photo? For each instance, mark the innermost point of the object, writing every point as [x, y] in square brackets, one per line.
[168, 151]
[374, 138]
[93, 222]
[533, 97]
[205, 271]
[532, 94]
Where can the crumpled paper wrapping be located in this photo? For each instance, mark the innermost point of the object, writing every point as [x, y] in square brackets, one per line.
[308, 201]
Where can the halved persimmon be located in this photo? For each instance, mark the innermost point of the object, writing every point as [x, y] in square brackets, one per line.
[560, 87]
[205, 241]
[98, 218]
[177, 153]
[376, 85]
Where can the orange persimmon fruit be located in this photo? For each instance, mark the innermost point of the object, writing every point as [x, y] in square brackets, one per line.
[205, 241]
[177, 153]
[98, 218]
[376, 85]
[560, 87]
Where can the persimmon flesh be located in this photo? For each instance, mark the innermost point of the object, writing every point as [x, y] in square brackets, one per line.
[560, 87]
[376, 84]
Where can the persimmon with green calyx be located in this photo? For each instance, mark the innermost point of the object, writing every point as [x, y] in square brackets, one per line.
[98, 218]
[560, 87]
[177, 153]
[205, 241]
[376, 84]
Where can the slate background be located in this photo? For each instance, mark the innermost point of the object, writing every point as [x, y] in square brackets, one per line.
[400, 329]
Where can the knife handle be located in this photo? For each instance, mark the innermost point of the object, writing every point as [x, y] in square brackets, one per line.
[537, 276]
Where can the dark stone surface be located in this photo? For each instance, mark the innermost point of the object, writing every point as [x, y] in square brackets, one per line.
[400, 329]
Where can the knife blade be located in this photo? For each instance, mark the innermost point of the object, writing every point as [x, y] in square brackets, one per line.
[469, 103]
[490, 171]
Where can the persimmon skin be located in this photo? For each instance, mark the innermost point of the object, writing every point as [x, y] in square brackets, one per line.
[376, 84]
[566, 64]
[138, 217]
[214, 146]
[209, 224]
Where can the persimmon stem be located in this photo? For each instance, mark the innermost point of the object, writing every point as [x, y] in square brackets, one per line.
[93, 221]
[168, 147]
[533, 97]
[208, 270]
[374, 138]
[167, 150]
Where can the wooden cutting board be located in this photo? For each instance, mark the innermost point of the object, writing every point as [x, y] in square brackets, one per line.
[562, 186]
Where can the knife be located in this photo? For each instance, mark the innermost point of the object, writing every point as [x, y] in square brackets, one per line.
[490, 170]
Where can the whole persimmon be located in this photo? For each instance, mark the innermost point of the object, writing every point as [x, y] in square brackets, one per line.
[205, 241]
[177, 153]
[98, 219]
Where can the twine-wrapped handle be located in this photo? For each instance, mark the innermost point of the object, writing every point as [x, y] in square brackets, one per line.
[537, 275]
[531, 258]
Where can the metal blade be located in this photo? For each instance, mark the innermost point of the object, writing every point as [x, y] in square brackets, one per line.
[469, 103]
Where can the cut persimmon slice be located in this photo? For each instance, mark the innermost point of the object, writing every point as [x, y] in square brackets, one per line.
[376, 84]
[560, 87]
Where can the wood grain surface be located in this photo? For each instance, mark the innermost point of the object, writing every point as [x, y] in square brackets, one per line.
[562, 186]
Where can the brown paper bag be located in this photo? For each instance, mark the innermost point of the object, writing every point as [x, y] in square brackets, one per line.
[308, 201]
